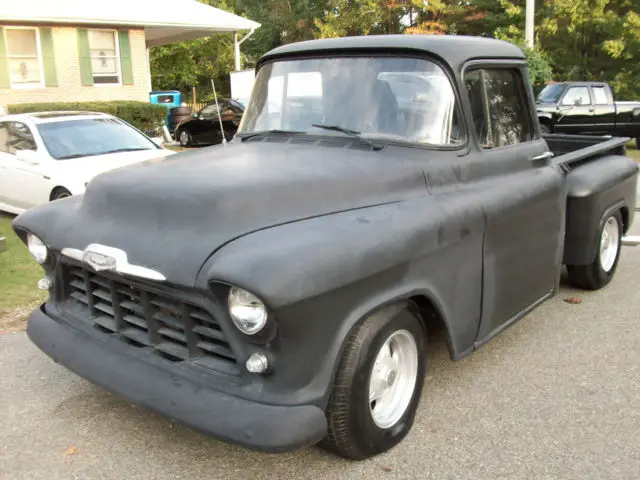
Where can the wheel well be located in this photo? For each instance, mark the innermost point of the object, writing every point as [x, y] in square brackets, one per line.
[55, 191]
[624, 212]
[545, 121]
[431, 318]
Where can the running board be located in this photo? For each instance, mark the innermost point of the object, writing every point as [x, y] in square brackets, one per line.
[631, 240]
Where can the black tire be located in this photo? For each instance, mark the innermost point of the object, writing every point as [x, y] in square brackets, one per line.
[352, 432]
[593, 276]
[545, 129]
[59, 193]
[181, 111]
[184, 137]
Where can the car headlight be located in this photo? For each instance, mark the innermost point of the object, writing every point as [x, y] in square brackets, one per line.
[37, 248]
[247, 311]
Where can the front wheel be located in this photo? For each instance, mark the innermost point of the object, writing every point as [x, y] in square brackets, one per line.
[600, 271]
[545, 129]
[185, 138]
[378, 385]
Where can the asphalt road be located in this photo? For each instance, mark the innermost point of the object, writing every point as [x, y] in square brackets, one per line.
[556, 396]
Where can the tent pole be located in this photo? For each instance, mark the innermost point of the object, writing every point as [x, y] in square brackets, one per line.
[236, 51]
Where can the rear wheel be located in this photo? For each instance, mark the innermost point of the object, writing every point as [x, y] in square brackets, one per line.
[378, 385]
[599, 273]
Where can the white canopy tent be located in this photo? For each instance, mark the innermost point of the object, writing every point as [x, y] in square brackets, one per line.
[164, 21]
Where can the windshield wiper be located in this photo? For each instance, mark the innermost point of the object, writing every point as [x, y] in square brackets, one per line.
[75, 155]
[130, 149]
[247, 136]
[347, 131]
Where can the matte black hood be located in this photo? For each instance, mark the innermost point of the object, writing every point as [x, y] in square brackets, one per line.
[172, 215]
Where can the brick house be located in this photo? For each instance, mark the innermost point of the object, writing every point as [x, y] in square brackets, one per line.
[77, 50]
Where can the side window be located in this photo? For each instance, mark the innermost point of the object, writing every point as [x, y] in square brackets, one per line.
[19, 137]
[500, 108]
[600, 96]
[577, 96]
[210, 111]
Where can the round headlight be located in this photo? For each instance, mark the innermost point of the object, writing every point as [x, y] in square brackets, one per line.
[37, 248]
[247, 311]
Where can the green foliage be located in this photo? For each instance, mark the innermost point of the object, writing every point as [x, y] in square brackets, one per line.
[575, 39]
[144, 116]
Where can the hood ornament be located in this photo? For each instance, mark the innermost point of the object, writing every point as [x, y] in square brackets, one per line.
[104, 258]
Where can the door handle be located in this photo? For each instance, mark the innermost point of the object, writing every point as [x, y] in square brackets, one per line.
[592, 109]
[542, 158]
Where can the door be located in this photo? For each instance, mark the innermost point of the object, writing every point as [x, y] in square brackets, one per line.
[575, 113]
[209, 127]
[23, 183]
[523, 198]
[604, 111]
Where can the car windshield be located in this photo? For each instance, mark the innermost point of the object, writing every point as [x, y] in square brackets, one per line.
[551, 93]
[89, 137]
[406, 99]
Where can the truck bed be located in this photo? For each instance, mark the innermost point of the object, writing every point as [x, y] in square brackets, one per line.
[571, 149]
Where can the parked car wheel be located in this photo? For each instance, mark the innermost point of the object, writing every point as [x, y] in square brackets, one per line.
[378, 385]
[545, 129]
[185, 138]
[59, 193]
[599, 273]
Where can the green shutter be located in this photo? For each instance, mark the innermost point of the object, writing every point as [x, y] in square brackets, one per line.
[4, 63]
[48, 58]
[84, 56]
[125, 57]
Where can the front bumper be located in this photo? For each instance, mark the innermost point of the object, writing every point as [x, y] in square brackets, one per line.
[268, 428]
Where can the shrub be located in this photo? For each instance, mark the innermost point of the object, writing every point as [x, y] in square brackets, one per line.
[144, 116]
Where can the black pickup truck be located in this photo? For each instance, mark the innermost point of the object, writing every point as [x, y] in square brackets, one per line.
[587, 108]
[279, 291]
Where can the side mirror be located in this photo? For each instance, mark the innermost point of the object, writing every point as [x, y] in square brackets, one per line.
[28, 156]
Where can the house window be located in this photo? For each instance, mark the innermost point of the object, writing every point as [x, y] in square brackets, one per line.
[23, 56]
[103, 47]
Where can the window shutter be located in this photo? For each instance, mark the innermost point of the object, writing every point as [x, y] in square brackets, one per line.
[48, 58]
[84, 56]
[125, 57]
[4, 63]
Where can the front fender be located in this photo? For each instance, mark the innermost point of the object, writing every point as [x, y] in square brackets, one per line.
[323, 275]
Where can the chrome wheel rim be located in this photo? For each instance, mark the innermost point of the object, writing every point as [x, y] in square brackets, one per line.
[393, 379]
[184, 138]
[609, 244]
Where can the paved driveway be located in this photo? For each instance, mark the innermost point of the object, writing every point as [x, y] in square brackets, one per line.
[555, 396]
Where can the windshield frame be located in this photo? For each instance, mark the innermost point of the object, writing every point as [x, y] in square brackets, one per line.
[377, 53]
[123, 124]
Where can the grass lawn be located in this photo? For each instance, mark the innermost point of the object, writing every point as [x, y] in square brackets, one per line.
[19, 274]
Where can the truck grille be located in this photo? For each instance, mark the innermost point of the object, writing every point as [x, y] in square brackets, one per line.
[173, 328]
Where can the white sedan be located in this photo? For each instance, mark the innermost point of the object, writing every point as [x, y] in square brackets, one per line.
[51, 155]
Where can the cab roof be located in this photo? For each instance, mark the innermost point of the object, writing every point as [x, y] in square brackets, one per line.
[453, 49]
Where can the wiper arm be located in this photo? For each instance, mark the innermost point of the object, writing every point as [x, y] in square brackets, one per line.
[247, 136]
[347, 131]
[131, 149]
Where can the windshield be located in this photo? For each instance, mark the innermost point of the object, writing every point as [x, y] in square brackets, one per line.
[551, 93]
[89, 137]
[405, 99]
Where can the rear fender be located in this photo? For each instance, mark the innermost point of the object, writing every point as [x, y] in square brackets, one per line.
[595, 190]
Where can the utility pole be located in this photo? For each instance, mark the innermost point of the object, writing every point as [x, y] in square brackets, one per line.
[529, 22]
